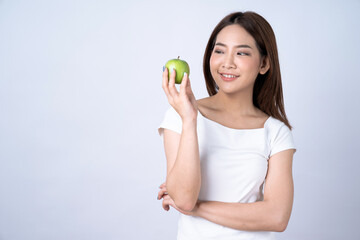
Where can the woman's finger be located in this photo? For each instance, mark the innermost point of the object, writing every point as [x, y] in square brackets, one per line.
[172, 89]
[161, 193]
[165, 82]
[189, 91]
[184, 83]
[171, 202]
[163, 188]
[165, 206]
[166, 203]
[188, 85]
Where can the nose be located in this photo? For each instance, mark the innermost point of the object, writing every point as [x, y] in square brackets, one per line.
[228, 62]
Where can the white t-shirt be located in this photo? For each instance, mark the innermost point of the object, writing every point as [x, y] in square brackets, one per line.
[233, 168]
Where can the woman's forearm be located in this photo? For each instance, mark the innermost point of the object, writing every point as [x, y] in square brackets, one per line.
[184, 180]
[257, 216]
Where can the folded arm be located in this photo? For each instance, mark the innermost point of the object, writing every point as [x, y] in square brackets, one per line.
[271, 214]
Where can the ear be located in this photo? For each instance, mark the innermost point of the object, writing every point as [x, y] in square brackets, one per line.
[265, 65]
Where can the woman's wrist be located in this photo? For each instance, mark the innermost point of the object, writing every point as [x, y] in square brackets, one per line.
[189, 123]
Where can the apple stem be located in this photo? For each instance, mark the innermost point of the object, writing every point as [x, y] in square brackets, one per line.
[178, 57]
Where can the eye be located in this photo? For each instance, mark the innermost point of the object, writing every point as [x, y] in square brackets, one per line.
[218, 51]
[242, 54]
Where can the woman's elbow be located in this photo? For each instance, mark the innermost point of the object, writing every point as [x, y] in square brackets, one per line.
[185, 200]
[281, 227]
[280, 224]
[185, 205]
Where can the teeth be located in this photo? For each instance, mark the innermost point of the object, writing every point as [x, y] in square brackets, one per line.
[228, 76]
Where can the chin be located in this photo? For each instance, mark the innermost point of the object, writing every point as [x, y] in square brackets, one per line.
[228, 91]
[234, 90]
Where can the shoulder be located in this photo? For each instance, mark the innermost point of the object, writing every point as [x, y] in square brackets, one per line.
[171, 121]
[275, 127]
[279, 135]
[274, 123]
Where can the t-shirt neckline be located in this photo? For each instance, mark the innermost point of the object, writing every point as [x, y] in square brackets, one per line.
[235, 129]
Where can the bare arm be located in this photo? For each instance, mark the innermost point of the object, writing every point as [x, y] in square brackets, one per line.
[184, 175]
[271, 214]
[183, 179]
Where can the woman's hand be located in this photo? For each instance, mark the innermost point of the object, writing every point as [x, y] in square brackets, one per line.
[184, 101]
[167, 201]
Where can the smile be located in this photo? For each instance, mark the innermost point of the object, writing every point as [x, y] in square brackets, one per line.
[228, 77]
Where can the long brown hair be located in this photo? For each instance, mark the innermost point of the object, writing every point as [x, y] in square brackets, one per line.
[267, 93]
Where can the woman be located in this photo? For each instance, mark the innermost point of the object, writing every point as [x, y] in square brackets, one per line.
[229, 156]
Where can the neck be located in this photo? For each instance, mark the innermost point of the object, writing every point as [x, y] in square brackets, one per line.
[240, 103]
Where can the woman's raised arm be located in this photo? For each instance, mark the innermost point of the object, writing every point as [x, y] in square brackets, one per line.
[183, 179]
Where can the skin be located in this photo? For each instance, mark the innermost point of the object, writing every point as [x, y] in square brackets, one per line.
[232, 106]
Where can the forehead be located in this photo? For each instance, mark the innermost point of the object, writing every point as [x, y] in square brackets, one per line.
[235, 35]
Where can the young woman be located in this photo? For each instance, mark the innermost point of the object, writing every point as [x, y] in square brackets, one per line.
[229, 156]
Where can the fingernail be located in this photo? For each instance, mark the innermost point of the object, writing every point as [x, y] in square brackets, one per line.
[185, 74]
[163, 68]
[172, 70]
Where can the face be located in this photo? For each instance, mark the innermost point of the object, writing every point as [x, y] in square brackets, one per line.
[235, 61]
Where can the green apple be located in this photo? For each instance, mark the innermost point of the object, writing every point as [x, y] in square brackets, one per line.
[180, 67]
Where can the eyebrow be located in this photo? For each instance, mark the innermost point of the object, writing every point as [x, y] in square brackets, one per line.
[237, 46]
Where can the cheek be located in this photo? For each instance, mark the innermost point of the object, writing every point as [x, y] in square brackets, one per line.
[211, 62]
[214, 63]
[249, 65]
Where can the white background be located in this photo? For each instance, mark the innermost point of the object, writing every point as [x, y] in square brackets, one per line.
[81, 99]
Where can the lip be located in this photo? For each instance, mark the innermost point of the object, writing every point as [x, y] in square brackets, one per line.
[227, 79]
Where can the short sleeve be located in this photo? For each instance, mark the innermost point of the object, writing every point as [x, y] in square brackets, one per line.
[171, 121]
[282, 140]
